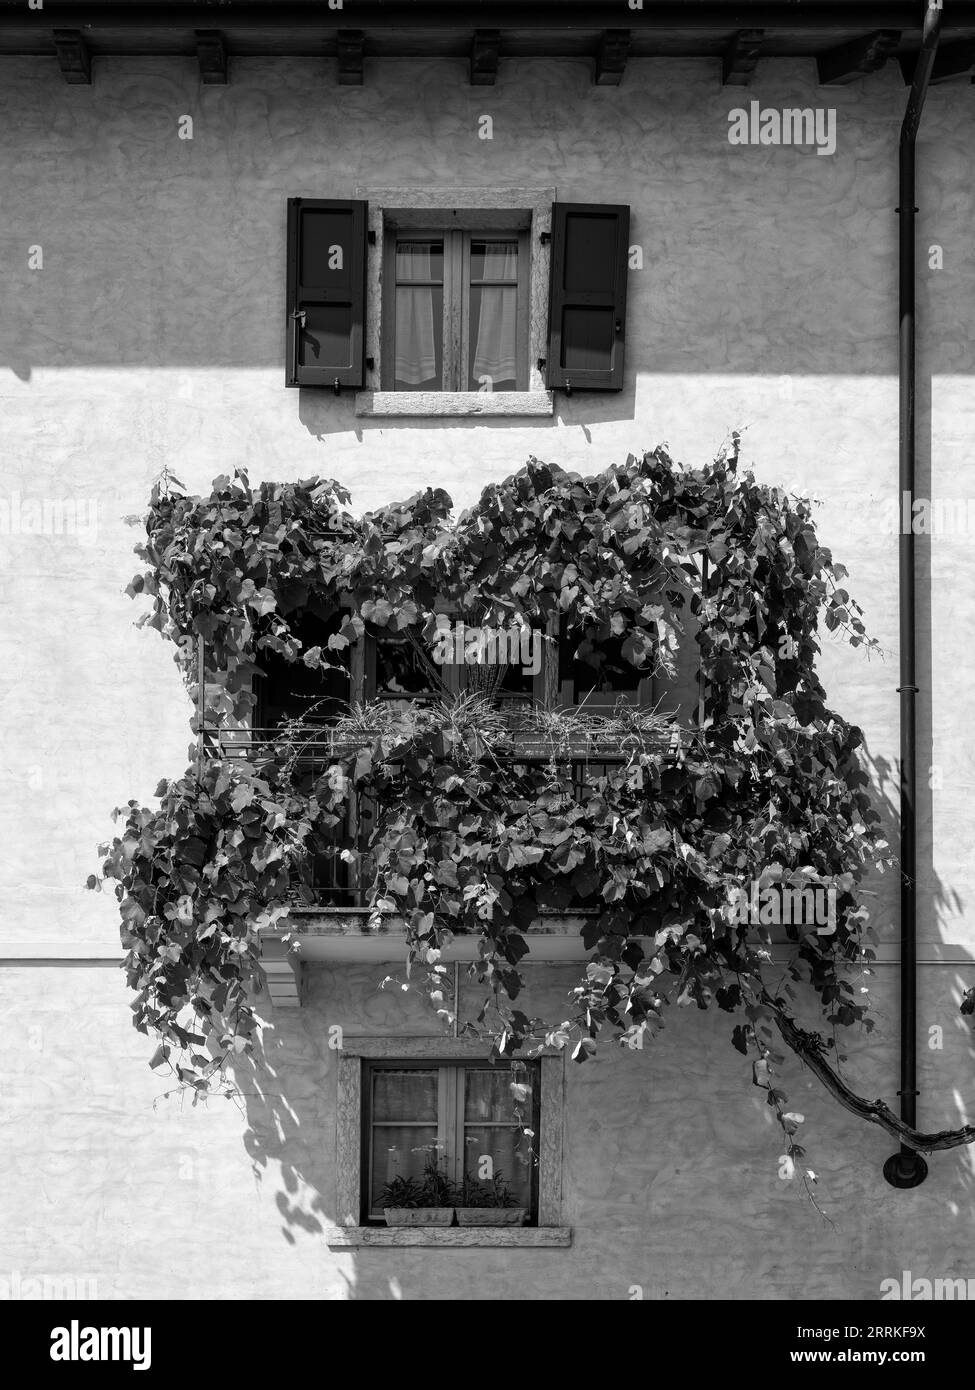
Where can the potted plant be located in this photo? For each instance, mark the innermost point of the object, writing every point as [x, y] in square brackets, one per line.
[488, 1203]
[412, 1202]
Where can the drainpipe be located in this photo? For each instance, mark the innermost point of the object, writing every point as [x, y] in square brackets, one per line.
[907, 1168]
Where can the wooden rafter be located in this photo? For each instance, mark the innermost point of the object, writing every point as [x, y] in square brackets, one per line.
[211, 53]
[614, 48]
[485, 50]
[851, 60]
[740, 58]
[73, 56]
[350, 47]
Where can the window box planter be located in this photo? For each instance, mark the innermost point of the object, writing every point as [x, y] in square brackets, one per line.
[418, 1216]
[491, 1216]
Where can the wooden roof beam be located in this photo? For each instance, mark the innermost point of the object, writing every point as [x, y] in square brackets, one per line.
[485, 50]
[740, 58]
[851, 60]
[211, 54]
[351, 47]
[611, 56]
[73, 56]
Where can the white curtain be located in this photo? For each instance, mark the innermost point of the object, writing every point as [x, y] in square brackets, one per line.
[496, 331]
[416, 330]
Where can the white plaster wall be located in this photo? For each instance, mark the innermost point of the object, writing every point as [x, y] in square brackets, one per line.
[155, 335]
[671, 1174]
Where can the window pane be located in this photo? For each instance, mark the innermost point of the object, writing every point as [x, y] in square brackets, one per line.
[595, 665]
[292, 690]
[400, 1093]
[502, 1153]
[419, 338]
[419, 260]
[419, 315]
[493, 348]
[402, 669]
[488, 1094]
[494, 260]
[400, 1151]
[587, 337]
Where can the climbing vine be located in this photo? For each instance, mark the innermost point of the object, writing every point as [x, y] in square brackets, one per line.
[481, 827]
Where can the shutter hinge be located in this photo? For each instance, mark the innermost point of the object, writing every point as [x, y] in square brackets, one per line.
[371, 363]
[337, 387]
[568, 388]
[545, 237]
[371, 238]
[542, 363]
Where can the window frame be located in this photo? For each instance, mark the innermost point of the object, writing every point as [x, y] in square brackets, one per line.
[457, 233]
[349, 1231]
[451, 1120]
[494, 207]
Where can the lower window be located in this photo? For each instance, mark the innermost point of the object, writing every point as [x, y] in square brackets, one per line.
[427, 1125]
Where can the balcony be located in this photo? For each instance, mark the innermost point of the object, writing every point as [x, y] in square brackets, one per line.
[338, 897]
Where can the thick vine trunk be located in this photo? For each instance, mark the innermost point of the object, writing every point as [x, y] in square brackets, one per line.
[809, 1048]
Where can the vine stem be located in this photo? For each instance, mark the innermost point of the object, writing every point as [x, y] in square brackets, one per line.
[796, 1154]
[808, 1048]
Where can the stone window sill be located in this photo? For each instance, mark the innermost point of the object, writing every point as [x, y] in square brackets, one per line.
[526, 1237]
[401, 404]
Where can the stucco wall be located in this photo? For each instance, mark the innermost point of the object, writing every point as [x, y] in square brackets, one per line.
[670, 1183]
[154, 334]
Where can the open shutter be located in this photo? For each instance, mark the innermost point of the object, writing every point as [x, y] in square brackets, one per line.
[326, 292]
[587, 296]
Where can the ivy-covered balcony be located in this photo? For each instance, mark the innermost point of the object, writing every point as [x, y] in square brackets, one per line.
[562, 760]
[465, 812]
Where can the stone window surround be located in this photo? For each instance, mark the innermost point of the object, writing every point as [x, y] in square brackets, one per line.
[536, 401]
[348, 1151]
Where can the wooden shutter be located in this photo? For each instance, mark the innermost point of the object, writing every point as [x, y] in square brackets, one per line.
[326, 292]
[587, 296]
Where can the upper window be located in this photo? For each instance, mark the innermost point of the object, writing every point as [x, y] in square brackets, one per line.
[456, 311]
[449, 301]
